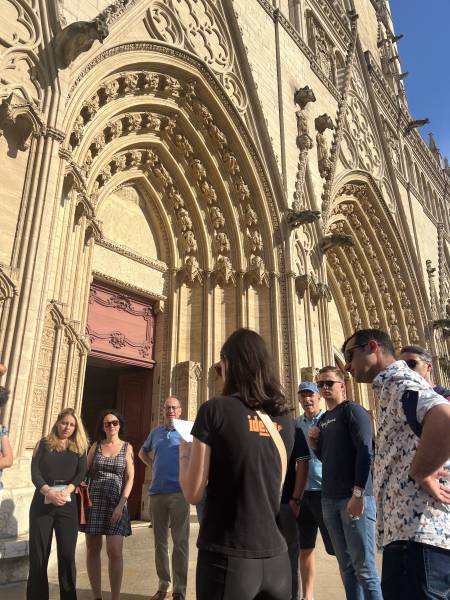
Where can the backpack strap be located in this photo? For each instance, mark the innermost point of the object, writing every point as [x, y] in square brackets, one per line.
[278, 441]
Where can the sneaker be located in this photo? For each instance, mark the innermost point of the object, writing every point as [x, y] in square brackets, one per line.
[160, 595]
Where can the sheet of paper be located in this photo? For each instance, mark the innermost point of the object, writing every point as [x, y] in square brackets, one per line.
[184, 428]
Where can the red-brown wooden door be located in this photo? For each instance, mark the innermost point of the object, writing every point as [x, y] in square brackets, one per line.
[134, 401]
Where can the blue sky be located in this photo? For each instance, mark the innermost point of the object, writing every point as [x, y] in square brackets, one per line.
[425, 53]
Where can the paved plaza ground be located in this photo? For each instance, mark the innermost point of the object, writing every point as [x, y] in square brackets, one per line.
[140, 581]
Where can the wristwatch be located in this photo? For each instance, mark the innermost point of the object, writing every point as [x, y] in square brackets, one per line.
[358, 492]
[297, 501]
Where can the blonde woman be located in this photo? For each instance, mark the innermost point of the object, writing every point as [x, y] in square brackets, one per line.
[59, 465]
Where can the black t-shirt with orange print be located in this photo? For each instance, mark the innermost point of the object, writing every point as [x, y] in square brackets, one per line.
[243, 492]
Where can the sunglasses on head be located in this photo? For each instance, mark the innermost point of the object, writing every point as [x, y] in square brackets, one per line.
[113, 423]
[328, 382]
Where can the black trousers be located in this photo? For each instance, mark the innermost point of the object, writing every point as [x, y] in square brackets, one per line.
[222, 577]
[44, 518]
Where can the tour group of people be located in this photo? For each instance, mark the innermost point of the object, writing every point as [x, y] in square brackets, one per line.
[264, 483]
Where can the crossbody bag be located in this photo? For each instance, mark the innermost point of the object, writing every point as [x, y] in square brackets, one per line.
[278, 441]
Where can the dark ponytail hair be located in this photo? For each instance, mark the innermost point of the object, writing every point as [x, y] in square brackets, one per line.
[250, 373]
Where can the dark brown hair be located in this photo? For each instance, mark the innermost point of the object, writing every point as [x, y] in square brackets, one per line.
[100, 434]
[250, 373]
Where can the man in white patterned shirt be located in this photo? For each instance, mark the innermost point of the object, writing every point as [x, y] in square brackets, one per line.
[411, 470]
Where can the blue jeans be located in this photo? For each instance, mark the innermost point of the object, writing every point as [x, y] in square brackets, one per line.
[413, 571]
[354, 545]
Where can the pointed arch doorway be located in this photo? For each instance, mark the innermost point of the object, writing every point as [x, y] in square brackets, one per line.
[119, 370]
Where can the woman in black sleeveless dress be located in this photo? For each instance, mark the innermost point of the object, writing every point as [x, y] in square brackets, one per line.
[111, 465]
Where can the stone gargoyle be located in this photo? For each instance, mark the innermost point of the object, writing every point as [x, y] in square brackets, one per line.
[336, 240]
[295, 218]
[78, 37]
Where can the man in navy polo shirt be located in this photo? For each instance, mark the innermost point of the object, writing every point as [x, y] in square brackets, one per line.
[168, 506]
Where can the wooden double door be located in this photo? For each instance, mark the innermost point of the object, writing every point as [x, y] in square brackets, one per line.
[119, 371]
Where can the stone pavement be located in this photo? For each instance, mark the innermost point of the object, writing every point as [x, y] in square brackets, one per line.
[140, 581]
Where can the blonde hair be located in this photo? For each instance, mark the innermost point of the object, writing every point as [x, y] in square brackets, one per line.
[78, 441]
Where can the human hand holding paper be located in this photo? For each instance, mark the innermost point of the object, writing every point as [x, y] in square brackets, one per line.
[184, 428]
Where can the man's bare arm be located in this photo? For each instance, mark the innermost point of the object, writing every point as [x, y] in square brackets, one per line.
[433, 452]
[146, 458]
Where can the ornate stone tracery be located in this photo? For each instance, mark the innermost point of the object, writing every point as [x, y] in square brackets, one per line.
[199, 27]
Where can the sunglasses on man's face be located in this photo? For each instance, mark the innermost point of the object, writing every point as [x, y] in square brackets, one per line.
[113, 423]
[412, 363]
[328, 383]
[348, 354]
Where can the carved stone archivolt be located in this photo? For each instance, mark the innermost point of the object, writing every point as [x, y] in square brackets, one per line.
[166, 128]
[361, 216]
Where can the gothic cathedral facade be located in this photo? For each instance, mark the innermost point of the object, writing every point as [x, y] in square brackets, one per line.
[174, 169]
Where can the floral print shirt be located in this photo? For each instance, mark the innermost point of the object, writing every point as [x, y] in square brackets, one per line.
[404, 510]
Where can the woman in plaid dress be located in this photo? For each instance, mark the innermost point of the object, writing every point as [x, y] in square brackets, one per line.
[111, 465]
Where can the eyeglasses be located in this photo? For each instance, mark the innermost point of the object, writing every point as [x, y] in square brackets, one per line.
[348, 354]
[113, 423]
[172, 408]
[328, 382]
[218, 369]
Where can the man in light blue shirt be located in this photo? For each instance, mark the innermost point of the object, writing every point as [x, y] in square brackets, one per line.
[310, 517]
[168, 507]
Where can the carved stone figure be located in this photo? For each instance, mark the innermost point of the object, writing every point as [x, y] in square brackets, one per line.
[222, 243]
[217, 217]
[190, 242]
[217, 135]
[296, 218]
[198, 169]
[111, 90]
[242, 190]
[230, 162]
[336, 240]
[77, 38]
[115, 129]
[183, 144]
[150, 81]
[251, 218]
[208, 192]
[130, 82]
[185, 220]
[304, 96]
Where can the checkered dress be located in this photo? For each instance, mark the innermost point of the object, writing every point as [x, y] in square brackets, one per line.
[107, 473]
